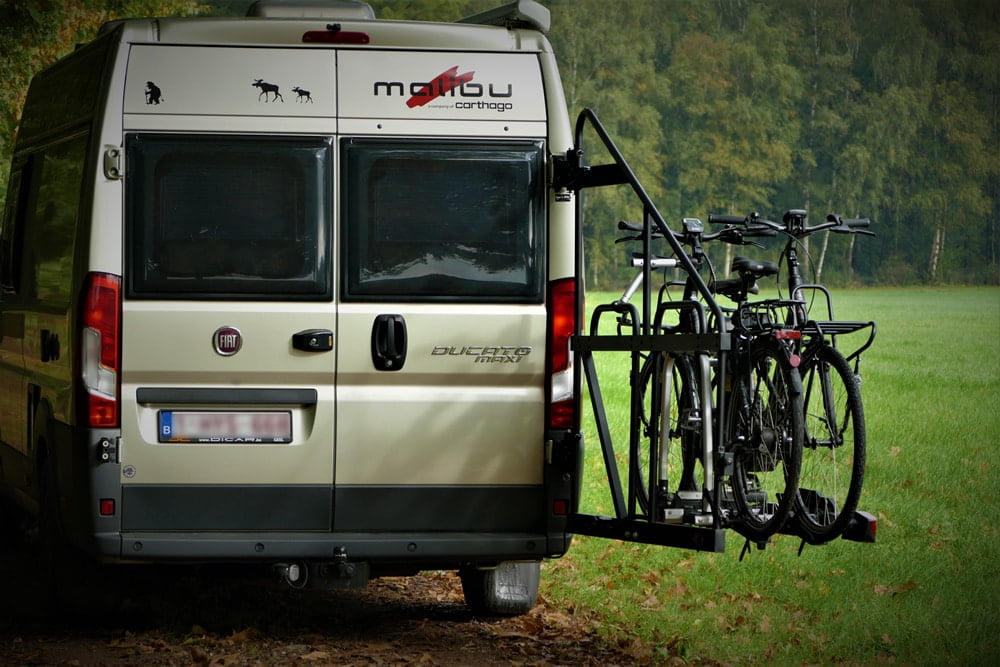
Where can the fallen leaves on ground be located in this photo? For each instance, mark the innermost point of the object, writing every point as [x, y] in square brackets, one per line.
[419, 620]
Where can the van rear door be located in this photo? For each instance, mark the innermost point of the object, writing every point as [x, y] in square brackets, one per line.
[442, 322]
[441, 352]
[228, 328]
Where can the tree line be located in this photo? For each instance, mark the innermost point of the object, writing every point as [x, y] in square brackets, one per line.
[887, 109]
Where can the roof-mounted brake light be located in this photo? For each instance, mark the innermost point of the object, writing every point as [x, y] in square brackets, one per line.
[334, 35]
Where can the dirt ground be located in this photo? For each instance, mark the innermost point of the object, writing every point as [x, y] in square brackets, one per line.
[182, 616]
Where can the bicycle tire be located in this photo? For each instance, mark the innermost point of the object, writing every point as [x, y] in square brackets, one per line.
[764, 432]
[834, 446]
[682, 442]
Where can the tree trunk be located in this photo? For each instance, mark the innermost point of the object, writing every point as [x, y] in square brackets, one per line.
[850, 259]
[936, 246]
[822, 257]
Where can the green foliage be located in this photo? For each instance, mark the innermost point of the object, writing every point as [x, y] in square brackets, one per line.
[36, 33]
[886, 109]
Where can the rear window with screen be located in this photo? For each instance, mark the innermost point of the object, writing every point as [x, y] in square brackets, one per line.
[228, 217]
[458, 221]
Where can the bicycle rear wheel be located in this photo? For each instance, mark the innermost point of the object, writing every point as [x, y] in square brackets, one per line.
[834, 448]
[764, 432]
[670, 423]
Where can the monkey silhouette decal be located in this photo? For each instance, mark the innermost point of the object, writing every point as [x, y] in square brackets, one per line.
[153, 94]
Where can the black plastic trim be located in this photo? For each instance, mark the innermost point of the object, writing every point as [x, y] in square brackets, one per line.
[171, 507]
[440, 508]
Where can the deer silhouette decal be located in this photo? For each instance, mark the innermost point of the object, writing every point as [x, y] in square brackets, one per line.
[303, 95]
[265, 89]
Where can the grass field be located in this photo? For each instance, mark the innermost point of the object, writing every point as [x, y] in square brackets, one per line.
[928, 592]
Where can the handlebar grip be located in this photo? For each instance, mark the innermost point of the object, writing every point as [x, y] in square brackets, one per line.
[850, 222]
[758, 231]
[627, 226]
[723, 219]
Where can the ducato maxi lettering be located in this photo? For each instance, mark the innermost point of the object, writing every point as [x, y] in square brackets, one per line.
[485, 354]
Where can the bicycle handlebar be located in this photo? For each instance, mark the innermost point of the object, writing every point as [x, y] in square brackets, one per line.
[793, 223]
[732, 235]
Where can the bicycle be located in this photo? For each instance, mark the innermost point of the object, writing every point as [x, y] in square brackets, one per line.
[761, 451]
[834, 438]
[663, 417]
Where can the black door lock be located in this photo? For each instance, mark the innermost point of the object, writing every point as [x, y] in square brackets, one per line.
[313, 340]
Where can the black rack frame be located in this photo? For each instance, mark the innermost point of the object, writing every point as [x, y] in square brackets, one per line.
[572, 174]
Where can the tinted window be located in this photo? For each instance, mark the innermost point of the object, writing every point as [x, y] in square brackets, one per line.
[10, 234]
[434, 220]
[224, 217]
[47, 206]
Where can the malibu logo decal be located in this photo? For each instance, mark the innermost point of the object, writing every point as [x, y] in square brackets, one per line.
[452, 84]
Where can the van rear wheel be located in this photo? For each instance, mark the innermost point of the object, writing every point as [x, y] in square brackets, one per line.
[510, 589]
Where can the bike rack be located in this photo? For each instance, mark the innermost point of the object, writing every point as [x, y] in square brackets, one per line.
[627, 524]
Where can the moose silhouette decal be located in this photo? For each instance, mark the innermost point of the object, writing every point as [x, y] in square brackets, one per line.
[265, 89]
[303, 95]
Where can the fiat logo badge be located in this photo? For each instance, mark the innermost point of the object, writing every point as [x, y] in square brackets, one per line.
[227, 341]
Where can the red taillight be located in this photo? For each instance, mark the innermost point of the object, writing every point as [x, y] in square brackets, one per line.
[562, 325]
[100, 349]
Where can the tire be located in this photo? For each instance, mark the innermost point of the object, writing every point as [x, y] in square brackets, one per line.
[510, 589]
[676, 421]
[764, 433]
[833, 446]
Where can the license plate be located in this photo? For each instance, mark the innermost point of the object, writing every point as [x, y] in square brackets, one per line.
[262, 427]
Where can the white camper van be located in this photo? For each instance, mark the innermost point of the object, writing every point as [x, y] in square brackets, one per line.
[296, 289]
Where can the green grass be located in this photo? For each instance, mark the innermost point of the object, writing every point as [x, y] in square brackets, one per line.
[926, 593]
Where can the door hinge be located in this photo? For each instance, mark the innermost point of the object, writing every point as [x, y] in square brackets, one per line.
[112, 163]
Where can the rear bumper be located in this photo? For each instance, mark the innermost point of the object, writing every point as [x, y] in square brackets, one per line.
[423, 550]
[423, 526]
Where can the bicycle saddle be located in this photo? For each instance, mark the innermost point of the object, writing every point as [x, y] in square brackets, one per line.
[755, 267]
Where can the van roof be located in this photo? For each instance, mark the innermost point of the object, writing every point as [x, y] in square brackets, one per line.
[517, 26]
[518, 14]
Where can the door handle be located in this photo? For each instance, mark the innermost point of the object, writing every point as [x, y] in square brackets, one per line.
[389, 342]
[50, 346]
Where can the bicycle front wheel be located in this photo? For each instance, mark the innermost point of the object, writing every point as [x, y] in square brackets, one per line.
[670, 422]
[764, 432]
[833, 447]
